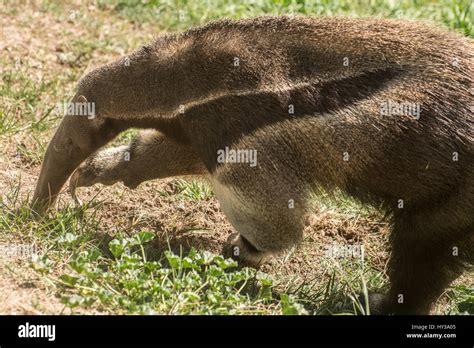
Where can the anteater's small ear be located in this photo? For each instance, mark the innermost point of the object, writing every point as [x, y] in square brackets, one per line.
[81, 99]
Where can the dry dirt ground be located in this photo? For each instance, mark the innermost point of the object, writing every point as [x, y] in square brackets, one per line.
[53, 50]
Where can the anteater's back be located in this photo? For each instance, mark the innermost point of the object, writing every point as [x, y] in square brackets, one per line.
[376, 102]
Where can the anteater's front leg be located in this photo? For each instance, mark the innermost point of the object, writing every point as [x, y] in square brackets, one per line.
[150, 156]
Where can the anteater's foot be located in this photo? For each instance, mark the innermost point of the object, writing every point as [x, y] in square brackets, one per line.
[240, 249]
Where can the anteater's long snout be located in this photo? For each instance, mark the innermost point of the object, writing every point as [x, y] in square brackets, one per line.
[77, 137]
[60, 161]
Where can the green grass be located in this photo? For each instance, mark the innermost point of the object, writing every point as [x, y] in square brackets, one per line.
[21, 97]
[461, 299]
[180, 14]
[193, 190]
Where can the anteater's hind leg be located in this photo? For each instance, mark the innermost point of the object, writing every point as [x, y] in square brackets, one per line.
[149, 156]
[429, 250]
[268, 214]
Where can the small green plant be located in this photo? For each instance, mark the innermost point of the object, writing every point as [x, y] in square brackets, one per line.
[290, 306]
[198, 283]
[463, 299]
